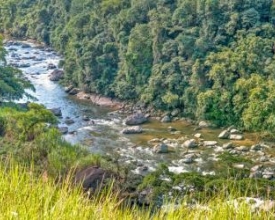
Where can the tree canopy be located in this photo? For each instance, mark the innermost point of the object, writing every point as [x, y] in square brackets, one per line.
[186, 54]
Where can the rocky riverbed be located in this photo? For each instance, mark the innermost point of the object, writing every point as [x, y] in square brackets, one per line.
[106, 127]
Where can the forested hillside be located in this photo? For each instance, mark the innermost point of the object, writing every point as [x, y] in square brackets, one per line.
[213, 59]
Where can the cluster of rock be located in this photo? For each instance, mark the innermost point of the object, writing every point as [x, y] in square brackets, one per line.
[16, 43]
[133, 121]
[67, 121]
[71, 90]
[231, 134]
[192, 151]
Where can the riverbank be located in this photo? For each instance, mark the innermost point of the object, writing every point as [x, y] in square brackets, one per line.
[101, 100]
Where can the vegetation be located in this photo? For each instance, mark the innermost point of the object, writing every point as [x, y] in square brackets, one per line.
[30, 197]
[12, 82]
[212, 59]
[193, 186]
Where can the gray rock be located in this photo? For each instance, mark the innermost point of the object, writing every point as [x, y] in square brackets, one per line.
[210, 143]
[93, 178]
[204, 124]
[132, 130]
[143, 168]
[24, 45]
[228, 145]
[56, 111]
[68, 88]
[238, 166]
[224, 134]
[56, 75]
[263, 159]
[190, 143]
[51, 66]
[234, 151]
[256, 147]
[69, 121]
[136, 119]
[242, 148]
[161, 148]
[268, 173]
[171, 129]
[256, 168]
[166, 119]
[85, 118]
[236, 137]
[235, 131]
[175, 112]
[63, 130]
[24, 65]
[187, 160]
[268, 176]
[198, 135]
[73, 91]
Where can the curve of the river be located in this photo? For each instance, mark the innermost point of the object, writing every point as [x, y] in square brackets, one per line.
[104, 136]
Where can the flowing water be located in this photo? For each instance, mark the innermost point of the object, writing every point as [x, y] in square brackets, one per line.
[103, 136]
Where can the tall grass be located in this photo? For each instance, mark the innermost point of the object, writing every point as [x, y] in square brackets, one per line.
[26, 196]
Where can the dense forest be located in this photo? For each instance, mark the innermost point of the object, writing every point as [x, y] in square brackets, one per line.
[212, 59]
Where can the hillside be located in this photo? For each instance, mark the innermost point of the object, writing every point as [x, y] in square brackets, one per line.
[212, 59]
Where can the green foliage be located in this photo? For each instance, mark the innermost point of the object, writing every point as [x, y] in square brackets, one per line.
[227, 180]
[12, 81]
[31, 138]
[27, 196]
[27, 125]
[186, 54]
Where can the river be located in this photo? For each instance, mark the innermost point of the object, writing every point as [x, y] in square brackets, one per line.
[104, 136]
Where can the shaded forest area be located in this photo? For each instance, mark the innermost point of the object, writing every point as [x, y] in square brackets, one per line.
[213, 59]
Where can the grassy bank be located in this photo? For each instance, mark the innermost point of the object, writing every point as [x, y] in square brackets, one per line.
[26, 196]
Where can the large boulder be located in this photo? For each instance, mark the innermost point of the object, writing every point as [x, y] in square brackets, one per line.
[132, 130]
[56, 75]
[136, 119]
[92, 178]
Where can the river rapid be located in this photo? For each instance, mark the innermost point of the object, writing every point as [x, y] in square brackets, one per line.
[102, 134]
